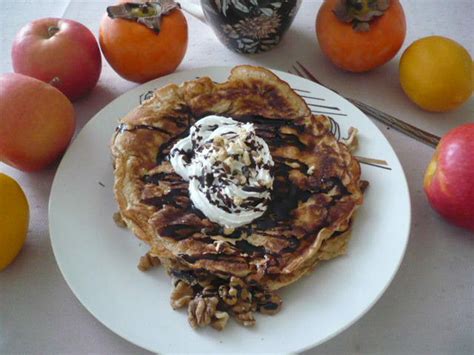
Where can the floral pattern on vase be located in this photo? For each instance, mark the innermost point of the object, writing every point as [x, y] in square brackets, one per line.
[250, 26]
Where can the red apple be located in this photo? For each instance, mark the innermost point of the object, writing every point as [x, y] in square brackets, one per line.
[61, 52]
[449, 178]
[36, 122]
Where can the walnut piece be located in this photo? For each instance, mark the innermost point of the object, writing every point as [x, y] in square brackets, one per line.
[181, 295]
[229, 296]
[271, 305]
[119, 220]
[267, 302]
[201, 310]
[148, 261]
[209, 291]
[234, 292]
[245, 318]
[219, 320]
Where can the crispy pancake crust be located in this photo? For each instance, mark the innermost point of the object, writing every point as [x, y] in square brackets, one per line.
[316, 189]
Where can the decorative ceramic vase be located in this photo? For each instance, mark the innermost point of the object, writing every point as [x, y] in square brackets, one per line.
[250, 26]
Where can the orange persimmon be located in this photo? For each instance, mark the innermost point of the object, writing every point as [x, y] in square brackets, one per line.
[363, 50]
[138, 53]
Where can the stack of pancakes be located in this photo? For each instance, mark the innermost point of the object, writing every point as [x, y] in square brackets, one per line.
[316, 190]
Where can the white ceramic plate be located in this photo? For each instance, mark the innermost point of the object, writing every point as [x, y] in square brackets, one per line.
[98, 259]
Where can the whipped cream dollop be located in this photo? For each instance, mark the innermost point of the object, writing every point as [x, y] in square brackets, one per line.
[229, 169]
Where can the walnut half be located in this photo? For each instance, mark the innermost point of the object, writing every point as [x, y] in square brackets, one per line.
[201, 310]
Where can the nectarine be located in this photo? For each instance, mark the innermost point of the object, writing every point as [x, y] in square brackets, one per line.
[449, 178]
[36, 122]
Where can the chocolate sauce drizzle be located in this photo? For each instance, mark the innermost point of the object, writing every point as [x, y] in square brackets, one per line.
[178, 195]
[123, 128]
[165, 148]
[274, 223]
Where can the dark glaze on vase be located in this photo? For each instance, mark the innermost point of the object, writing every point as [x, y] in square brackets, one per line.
[250, 26]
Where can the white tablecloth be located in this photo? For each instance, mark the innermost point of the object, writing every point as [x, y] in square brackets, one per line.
[429, 307]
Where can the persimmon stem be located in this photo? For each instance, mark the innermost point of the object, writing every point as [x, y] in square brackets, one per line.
[360, 13]
[148, 14]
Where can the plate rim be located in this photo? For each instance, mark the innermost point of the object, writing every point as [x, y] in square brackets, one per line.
[211, 69]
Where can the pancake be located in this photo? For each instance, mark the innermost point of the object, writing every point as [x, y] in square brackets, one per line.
[316, 190]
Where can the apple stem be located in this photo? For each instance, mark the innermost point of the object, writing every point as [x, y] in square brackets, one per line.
[55, 81]
[52, 30]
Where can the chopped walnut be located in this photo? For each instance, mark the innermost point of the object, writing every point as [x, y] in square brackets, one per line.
[238, 200]
[219, 141]
[181, 295]
[119, 220]
[235, 148]
[230, 162]
[222, 156]
[246, 158]
[267, 183]
[201, 310]
[148, 261]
